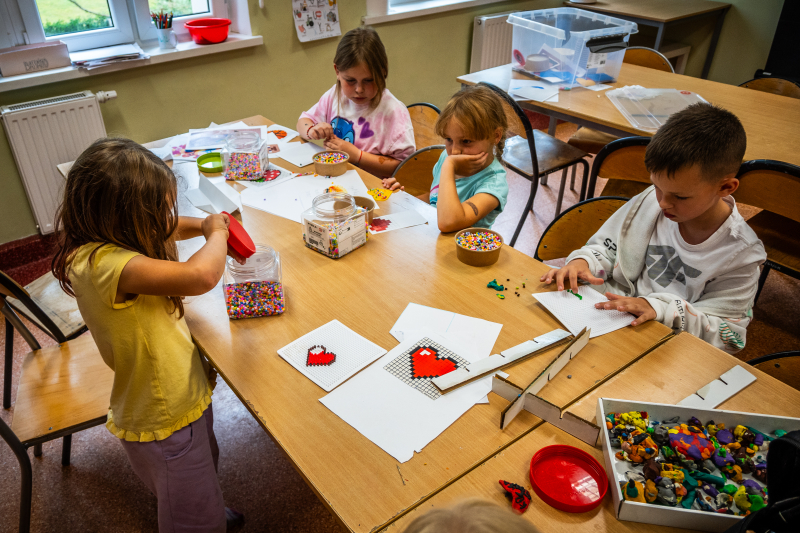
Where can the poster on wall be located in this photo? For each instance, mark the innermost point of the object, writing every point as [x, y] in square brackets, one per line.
[316, 19]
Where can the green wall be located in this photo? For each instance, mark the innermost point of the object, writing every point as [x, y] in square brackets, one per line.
[284, 77]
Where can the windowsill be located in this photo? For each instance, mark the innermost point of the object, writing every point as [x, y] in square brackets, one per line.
[419, 9]
[184, 50]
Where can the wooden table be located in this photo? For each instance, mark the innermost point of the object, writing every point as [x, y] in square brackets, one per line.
[772, 122]
[667, 375]
[662, 14]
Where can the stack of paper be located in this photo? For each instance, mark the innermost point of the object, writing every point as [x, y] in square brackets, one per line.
[110, 55]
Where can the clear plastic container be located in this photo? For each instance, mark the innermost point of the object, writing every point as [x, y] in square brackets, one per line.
[649, 109]
[254, 288]
[570, 44]
[245, 156]
[334, 225]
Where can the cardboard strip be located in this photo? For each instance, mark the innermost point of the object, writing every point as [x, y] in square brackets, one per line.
[719, 390]
[493, 363]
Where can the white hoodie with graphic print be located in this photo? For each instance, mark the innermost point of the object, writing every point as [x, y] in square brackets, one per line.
[706, 289]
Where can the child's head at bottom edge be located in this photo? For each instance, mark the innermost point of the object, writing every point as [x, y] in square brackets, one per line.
[693, 160]
[472, 122]
[471, 516]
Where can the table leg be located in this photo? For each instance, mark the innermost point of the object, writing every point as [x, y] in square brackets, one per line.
[713, 46]
[659, 35]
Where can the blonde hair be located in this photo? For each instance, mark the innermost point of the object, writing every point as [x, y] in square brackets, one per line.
[362, 45]
[471, 516]
[479, 111]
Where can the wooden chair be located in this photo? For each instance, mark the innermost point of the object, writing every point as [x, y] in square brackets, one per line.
[592, 141]
[773, 186]
[574, 227]
[777, 86]
[27, 476]
[783, 366]
[423, 118]
[534, 154]
[48, 307]
[621, 162]
[415, 174]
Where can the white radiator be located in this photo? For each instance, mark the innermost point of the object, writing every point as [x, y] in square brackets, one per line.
[46, 133]
[491, 41]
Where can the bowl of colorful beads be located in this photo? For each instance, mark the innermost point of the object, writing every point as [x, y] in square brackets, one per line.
[330, 163]
[478, 246]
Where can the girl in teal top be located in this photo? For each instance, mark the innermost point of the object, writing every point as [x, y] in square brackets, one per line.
[469, 186]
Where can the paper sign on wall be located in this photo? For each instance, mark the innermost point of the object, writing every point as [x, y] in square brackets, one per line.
[315, 19]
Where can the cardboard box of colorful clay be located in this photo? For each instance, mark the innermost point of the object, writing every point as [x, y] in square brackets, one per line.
[651, 493]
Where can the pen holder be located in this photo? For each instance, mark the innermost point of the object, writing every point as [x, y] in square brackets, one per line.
[167, 38]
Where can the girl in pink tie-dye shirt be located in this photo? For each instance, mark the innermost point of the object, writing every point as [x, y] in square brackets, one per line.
[358, 115]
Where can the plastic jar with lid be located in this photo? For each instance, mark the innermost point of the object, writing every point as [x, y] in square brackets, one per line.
[334, 225]
[254, 288]
[245, 156]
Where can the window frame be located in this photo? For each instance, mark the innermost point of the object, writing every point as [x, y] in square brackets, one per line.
[122, 31]
[380, 11]
[147, 30]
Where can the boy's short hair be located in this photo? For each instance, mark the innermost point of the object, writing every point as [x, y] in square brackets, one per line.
[702, 134]
[471, 516]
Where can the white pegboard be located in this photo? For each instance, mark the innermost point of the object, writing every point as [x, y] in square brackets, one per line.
[578, 313]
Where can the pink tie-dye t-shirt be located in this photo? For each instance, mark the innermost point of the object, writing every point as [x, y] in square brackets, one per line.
[385, 130]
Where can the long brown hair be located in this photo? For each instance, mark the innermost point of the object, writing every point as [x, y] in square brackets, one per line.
[362, 45]
[118, 193]
[479, 111]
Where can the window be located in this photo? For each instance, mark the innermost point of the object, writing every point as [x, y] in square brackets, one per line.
[84, 24]
[389, 10]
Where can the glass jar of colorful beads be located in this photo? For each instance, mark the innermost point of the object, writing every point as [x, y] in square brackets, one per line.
[245, 156]
[334, 225]
[254, 288]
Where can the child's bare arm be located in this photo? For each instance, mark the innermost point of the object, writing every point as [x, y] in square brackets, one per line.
[188, 228]
[452, 214]
[572, 271]
[425, 197]
[308, 130]
[198, 275]
[382, 166]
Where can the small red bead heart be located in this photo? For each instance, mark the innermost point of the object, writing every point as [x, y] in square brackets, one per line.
[426, 364]
[319, 356]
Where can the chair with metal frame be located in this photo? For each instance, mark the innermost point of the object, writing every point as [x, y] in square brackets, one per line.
[26, 472]
[777, 86]
[575, 226]
[621, 162]
[773, 186]
[784, 366]
[45, 305]
[423, 117]
[534, 154]
[592, 141]
[415, 174]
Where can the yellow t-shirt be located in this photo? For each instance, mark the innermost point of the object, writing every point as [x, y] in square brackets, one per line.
[160, 380]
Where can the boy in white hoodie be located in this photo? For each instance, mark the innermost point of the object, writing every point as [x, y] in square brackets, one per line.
[680, 252]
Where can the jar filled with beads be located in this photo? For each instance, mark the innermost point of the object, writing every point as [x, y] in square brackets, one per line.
[245, 156]
[254, 289]
[334, 225]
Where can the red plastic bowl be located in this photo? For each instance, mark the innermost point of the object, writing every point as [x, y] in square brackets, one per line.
[568, 479]
[208, 31]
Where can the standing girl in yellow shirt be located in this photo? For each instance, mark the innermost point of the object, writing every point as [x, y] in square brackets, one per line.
[117, 227]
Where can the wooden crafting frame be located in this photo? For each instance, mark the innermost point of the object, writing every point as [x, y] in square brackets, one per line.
[569, 351]
[493, 363]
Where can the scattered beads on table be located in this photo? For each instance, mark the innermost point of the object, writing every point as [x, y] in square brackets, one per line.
[479, 241]
[330, 157]
[254, 298]
[243, 166]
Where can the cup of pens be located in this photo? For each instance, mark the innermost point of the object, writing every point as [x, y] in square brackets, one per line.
[166, 37]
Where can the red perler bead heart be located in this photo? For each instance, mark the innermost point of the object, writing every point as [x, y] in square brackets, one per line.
[319, 356]
[426, 364]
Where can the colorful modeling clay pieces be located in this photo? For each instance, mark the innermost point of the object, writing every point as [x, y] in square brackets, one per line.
[254, 298]
[722, 457]
[760, 472]
[575, 294]
[633, 491]
[501, 296]
[752, 487]
[725, 436]
[480, 241]
[494, 285]
[708, 478]
[651, 470]
[741, 500]
[691, 444]
[650, 491]
[519, 497]
[330, 157]
[779, 433]
[666, 492]
[756, 502]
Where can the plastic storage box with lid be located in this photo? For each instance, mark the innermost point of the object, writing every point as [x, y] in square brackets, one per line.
[570, 44]
[334, 225]
[245, 156]
[255, 288]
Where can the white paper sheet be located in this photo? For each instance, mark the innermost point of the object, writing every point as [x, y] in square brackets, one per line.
[478, 333]
[299, 154]
[282, 133]
[400, 220]
[290, 198]
[539, 93]
[577, 313]
[396, 417]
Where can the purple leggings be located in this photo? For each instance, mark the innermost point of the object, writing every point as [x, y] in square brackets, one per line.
[181, 471]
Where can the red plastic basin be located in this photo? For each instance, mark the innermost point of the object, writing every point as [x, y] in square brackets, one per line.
[568, 479]
[208, 30]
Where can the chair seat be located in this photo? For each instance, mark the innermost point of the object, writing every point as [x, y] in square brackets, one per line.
[62, 387]
[781, 238]
[784, 369]
[58, 305]
[551, 153]
[624, 188]
[591, 141]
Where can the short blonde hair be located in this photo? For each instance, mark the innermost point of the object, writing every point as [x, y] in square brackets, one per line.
[471, 516]
[479, 111]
